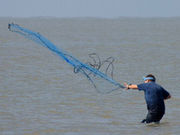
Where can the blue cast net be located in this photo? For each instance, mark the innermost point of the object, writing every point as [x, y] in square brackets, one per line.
[101, 81]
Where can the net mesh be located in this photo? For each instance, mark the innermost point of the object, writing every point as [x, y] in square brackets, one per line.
[101, 81]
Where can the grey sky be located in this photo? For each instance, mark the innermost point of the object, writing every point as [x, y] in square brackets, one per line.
[90, 8]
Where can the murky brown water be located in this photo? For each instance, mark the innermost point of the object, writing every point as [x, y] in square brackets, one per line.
[40, 94]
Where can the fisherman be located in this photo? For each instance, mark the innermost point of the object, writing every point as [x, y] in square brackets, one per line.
[154, 96]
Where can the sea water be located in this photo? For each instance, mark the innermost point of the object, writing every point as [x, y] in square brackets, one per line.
[40, 94]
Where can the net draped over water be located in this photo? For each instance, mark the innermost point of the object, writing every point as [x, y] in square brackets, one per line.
[101, 81]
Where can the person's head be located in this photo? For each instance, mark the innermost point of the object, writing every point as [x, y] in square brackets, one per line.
[149, 78]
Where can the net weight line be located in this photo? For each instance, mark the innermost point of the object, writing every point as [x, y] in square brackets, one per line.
[97, 63]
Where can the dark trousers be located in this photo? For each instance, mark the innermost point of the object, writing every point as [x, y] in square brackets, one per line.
[153, 117]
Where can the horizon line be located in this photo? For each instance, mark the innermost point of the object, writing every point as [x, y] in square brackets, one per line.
[71, 17]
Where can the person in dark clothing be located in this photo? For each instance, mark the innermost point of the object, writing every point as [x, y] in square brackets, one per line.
[154, 96]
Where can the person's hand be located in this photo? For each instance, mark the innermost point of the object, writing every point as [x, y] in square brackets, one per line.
[168, 97]
[126, 86]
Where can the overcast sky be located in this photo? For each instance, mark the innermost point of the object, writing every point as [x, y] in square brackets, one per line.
[90, 8]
